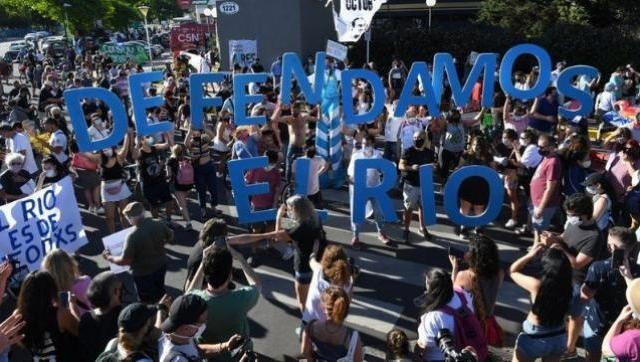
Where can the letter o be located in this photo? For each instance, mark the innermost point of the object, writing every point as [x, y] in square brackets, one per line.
[496, 196]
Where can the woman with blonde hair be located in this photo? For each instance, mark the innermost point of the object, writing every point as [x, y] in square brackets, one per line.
[331, 340]
[64, 270]
[180, 171]
[334, 269]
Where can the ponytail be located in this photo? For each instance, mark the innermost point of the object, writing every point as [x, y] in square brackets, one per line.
[336, 302]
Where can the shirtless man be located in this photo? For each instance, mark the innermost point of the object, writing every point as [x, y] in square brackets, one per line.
[297, 125]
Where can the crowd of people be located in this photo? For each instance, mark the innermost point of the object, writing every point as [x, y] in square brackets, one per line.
[577, 195]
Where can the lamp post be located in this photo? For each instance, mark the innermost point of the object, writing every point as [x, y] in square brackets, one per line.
[144, 10]
[430, 5]
[66, 18]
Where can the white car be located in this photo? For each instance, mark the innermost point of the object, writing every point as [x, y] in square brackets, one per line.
[17, 45]
[42, 34]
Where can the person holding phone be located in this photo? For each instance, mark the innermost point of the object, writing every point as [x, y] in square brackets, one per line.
[604, 287]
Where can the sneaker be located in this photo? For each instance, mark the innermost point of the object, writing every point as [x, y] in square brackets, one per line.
[219, 174]
[425, 233]
[99, 210]
[511, 224]
[355, 243]
[91, 210]
[188, 226]
[386, 241]
[569, 356]
[405, 236]
[288, 253]
[253, 260]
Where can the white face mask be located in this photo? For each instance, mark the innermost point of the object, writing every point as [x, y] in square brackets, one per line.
[50, 173]
[524, 142]
[108, 152]
[368, 150]
[506, 142]
[592, 190]
[269, 168]
[150, 141]
[586, 163]
[196, 335]
[574, 220]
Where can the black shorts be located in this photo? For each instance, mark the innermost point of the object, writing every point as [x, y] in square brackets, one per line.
[151, 287]
[156, 194]
[317, 200]
[183, 188]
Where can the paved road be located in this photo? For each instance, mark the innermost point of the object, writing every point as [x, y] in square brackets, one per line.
[389, 280]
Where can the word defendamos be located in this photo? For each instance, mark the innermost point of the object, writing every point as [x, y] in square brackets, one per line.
[432, 83]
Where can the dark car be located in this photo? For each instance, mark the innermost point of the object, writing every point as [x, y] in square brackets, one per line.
[11, 56]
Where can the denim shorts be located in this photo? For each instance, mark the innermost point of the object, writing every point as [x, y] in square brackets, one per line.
[543, 224]
[540, 342]
[576, 308]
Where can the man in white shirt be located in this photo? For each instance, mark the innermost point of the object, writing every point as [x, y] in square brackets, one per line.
[373, 179]
[98, 129]
[17, 142]
[391, 133]
[57, 141]
[409, 127]
[317, 167]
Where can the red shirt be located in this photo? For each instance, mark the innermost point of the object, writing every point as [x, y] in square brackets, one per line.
[260, 175]
[550, 169]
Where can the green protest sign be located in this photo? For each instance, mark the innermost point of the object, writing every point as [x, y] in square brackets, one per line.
[120, 52]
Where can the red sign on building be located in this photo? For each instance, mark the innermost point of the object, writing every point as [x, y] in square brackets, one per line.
[189, 36]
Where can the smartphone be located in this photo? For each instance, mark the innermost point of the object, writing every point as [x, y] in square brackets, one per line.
[456, 252]
[618, 258]
[64, 299]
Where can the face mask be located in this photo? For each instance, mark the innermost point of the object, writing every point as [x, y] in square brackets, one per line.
[108, 152]
[15, 168]
[592, 190]
[50, 173]
[419, 143]
[506, 142]
[150, 141]
[543, 153]
[586, 163]
[367, 150]
[574, 220]
[196, 335]
[524, 142]
[269, 168]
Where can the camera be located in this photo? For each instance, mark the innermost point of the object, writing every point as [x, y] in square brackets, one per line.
[448, 347]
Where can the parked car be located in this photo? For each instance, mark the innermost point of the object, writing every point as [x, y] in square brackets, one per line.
[11, 56]
[55, 48]
[17, 45]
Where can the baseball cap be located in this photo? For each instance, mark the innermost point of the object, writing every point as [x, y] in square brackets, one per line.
[186, 309]
[134, 316]
[593, 179]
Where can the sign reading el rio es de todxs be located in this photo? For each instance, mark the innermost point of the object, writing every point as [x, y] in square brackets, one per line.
[433, 82]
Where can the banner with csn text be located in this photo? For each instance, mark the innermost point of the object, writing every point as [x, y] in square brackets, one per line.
[46, 220]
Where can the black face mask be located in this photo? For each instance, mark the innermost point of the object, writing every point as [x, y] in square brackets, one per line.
[419, 143]
[544, 153]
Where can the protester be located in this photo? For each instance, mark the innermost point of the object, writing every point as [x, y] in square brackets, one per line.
[180, 170]
[622, 339]
[66, 273]
[15, 182]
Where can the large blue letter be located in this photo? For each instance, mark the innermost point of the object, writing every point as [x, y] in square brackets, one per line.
[197, 83]
[73, 97]
[506, 71]
[428, 195]
[242, 192]
[347, 100]
[418, 72]
[140, 103]
[362, 193]
[241, 99]
[485, 65]
[496, 195]
[291, 66]
[302, 175]
[565, 86]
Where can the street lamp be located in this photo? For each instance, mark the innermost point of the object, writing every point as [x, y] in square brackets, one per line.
[144, 10]
[430, 5]
[66, 18]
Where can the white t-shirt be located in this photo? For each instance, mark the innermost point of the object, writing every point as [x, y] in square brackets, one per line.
[317, 163]
[58, 139]
[97, 134]
[531, 157]
[313, 309]
[185, 352]
[606, 101]
[432, 322]
[373, 175]
[18, 143]
[406, 134]
[391, 129]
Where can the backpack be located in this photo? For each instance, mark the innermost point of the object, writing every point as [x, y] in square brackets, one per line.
[468, 331]
[184, 176]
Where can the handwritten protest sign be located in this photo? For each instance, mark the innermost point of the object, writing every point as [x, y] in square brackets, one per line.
[46, 220]
[115, 244]
[243, 52]
[120, 52]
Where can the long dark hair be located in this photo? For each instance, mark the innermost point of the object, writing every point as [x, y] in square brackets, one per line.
[439, 289]
[554, 295]
[35, 303]
[485, 264]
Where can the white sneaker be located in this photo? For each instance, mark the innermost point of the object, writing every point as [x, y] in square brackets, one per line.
[511, 224]
[100, 210]
[288, 253]
[91, 210]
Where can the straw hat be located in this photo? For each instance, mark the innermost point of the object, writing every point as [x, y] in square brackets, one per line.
[633, 296]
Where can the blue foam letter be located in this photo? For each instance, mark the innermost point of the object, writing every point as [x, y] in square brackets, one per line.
[140, 103]
[565, 86]
[302, 181]
[428, 195]
[198, 100]
[506, 71]
[241, 99]
[362, 193]
[242, 192]
[73, 97]
[485, 63]
[347, 100]
[496, 195]
[291, 66]
[418, 72]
